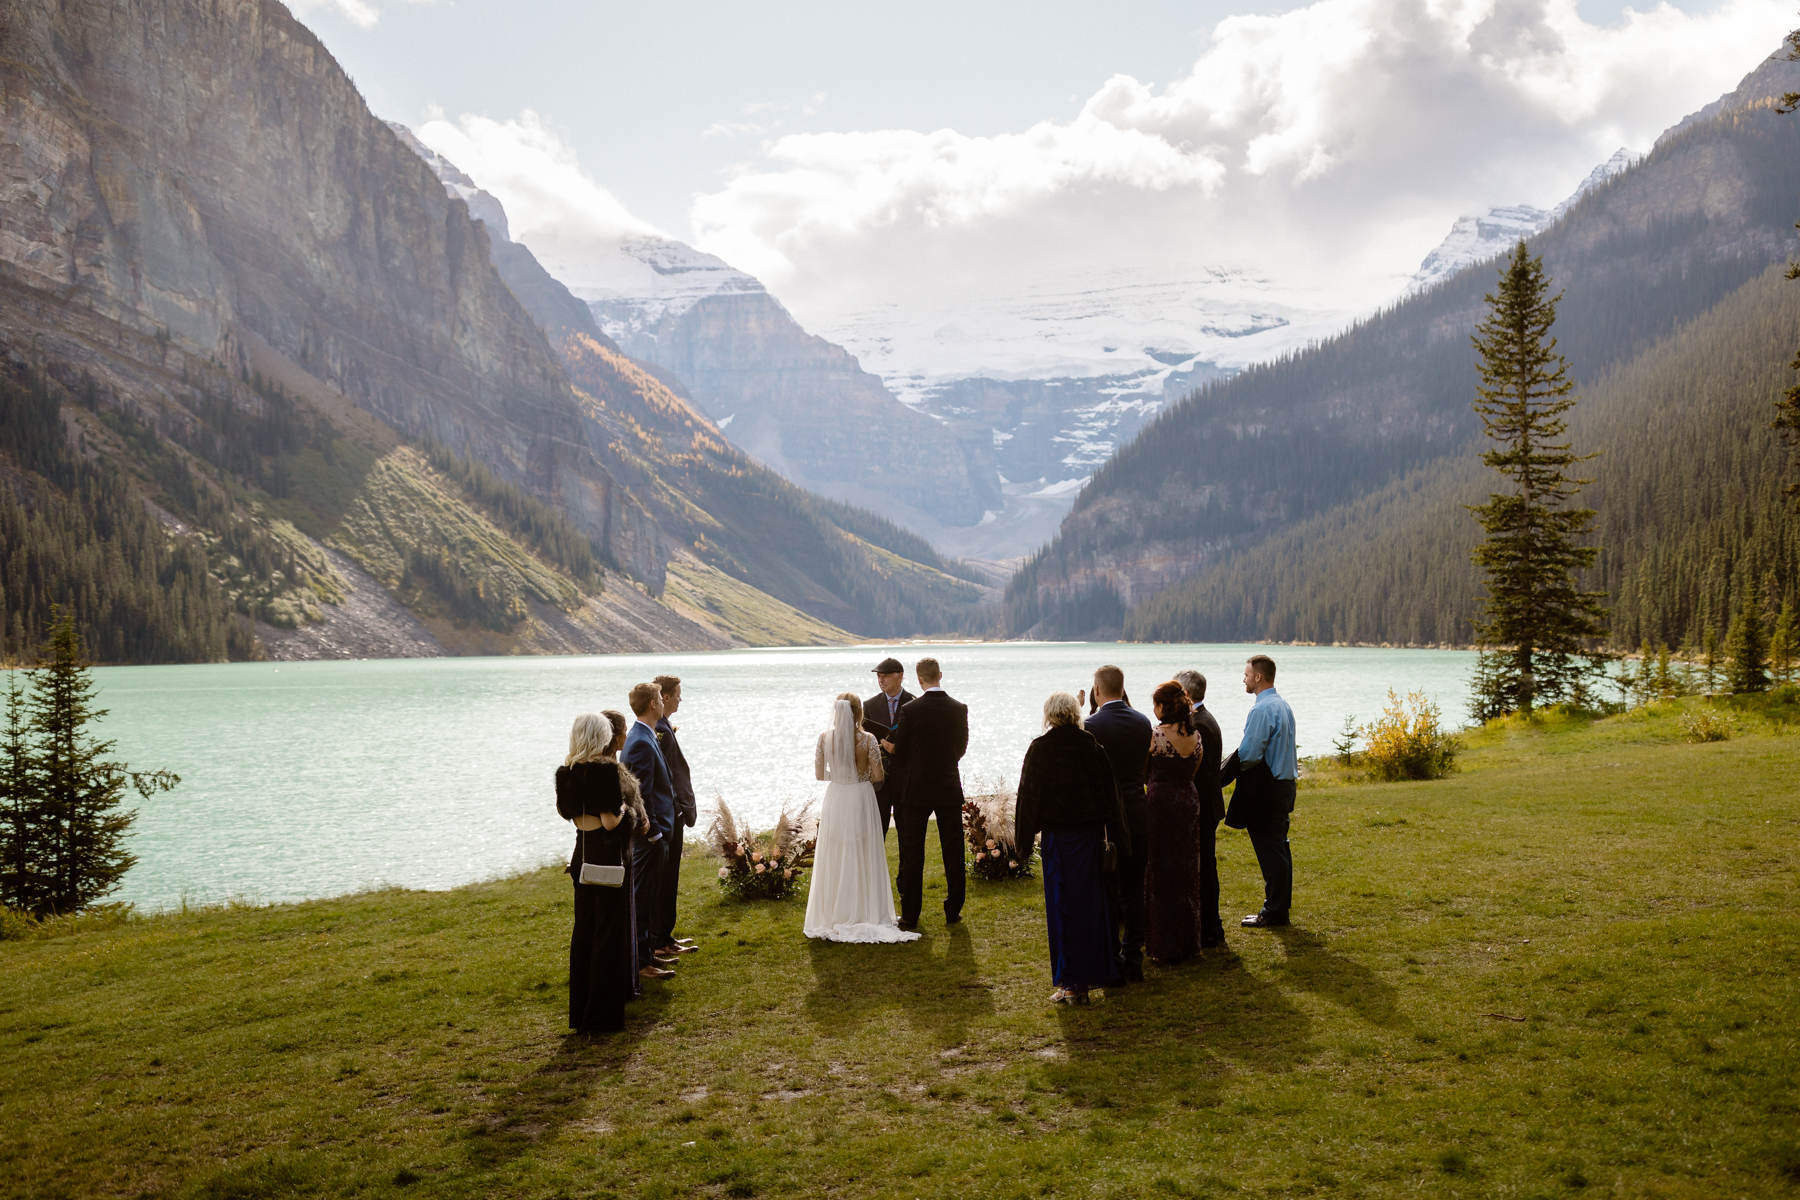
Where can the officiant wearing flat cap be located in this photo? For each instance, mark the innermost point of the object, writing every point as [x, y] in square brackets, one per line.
[881, 716]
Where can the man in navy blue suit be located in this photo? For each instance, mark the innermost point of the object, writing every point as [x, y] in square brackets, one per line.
[686, 813]
[1124, 733]
[644, 759]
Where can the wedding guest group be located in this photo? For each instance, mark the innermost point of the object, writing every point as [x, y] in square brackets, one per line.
[1149, 797]
[1126, 806]
[626, 787]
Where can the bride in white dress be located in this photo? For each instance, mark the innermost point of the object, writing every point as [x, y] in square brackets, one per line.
[850, 899]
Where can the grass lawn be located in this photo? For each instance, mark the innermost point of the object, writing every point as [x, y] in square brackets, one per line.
[1567, 970]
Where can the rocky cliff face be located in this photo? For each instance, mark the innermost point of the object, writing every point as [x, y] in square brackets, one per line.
[806, 408]
[205, 174]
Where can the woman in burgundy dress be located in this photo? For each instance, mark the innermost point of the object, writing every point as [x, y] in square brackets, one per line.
[1172, 878]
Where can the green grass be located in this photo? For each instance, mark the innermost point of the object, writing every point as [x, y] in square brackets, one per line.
[1567, 970]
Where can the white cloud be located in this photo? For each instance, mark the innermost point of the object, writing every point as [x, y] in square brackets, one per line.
[1333, 143]
[358, 12]
[535, 173]
[733, 129]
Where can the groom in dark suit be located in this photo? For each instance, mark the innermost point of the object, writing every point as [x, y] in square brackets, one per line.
[931, 739]
[881, 717]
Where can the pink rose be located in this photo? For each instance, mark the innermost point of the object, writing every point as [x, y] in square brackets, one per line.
[760, 868]
[724, 872]
[788, 874]
[756, 858]
[992, 843]
[1013, 863]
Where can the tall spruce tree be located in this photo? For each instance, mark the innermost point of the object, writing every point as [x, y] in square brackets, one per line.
[1536, 627]
[1747, 645]
[73, 852]
[19, 798]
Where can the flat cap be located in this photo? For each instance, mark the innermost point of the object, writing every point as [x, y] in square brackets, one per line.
[889, 666]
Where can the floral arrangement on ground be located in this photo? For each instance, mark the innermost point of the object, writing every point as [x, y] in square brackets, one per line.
[761, 866]
[988, 825]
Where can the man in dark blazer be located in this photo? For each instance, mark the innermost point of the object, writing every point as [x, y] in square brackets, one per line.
[1124, 733]
[931, 739]
[686, 813]
[1212, 805]
[881, 717]
[644, 759]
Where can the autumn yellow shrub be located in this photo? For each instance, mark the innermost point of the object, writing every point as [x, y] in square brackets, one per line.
[1409, 741]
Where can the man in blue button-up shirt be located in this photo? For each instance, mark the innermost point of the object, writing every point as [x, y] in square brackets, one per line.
[1265, 768]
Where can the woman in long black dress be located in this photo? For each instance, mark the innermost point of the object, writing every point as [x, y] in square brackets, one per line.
[601, 798]
[1066, 793]
[1172, 876]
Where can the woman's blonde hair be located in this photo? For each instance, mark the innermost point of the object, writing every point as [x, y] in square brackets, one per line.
[589, 739]
[1061, 709]
[855, 706]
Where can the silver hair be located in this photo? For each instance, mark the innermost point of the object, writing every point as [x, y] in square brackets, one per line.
[1193, 683]
[589, 739]
[1061, 709]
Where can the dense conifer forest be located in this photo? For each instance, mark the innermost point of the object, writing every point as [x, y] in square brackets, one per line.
[1687, 492]
[76, 535]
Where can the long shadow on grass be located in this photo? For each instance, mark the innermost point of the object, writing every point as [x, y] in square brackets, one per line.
[1314, 967]
[934, 983]
[519, 1117]
[1177, 1036]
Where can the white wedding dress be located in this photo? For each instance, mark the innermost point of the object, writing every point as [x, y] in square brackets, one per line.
[850, 899]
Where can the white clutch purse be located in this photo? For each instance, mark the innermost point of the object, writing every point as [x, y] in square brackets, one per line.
[605, 876]
[602, 874]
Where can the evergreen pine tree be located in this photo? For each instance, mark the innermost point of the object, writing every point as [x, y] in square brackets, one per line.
[1667, 685]
[1535, 621]
[1782, 649]
[19, 795]
[1709, 661]
[75, 835]
[1747, 645]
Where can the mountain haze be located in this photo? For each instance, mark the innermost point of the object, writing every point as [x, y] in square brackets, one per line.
[239, 305]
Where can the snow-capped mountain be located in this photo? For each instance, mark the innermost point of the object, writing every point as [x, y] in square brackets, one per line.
[1477, 239]
[645, 280]
[1059, 377]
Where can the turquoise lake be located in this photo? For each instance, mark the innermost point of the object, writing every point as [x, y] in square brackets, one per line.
[302, 780]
